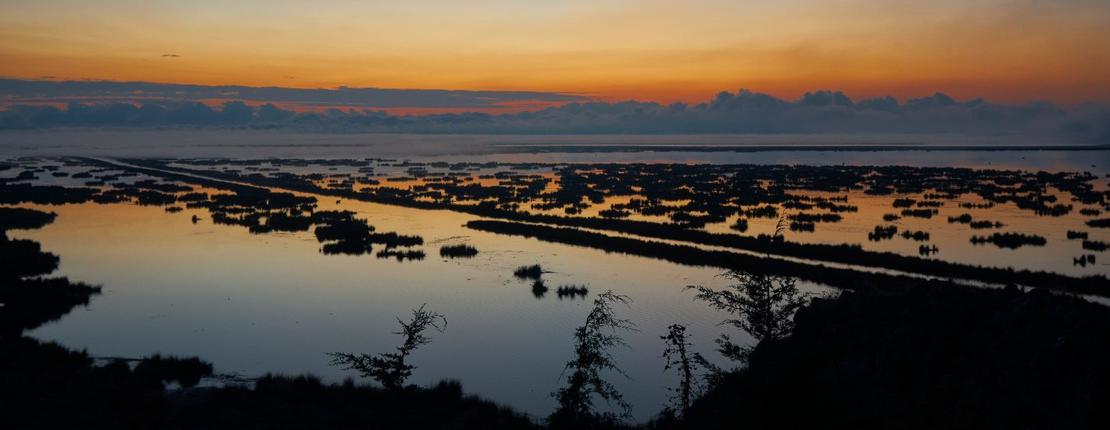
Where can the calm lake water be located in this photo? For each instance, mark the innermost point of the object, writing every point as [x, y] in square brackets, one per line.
[253, 303]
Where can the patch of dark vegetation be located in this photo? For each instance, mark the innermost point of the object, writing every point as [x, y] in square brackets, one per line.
[843, 278]
[986, 205]
[882, 233]
[927, 250]
[539, 289]
[770, 212]
[393, 239]
[461, 250]
[20, 218]
[534, 271]
[1083, 260]
[47, 386]
[976, 225]
[306, 402]
[342, 233]
[1010, 240]
[401, 255]
[758, 186]
[185, 371]
[741, 225]
[904, 203]
[44, 194]
[1094, 245]
[193, 197]
[812, 218]
[614, 213]
[891, 217]
[1099, 223]
[27, 298]
[1073, 235]
[800, 226]
[917, 236]
[919, 213]
[962, 219]
[572, 291]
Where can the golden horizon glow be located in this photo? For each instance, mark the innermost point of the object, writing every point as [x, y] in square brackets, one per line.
[1010, 51]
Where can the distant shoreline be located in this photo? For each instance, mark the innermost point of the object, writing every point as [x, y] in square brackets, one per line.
[253, 143]
[540, 148]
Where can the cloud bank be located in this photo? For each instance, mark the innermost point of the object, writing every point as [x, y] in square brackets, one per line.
[740, 112]
[14, 91]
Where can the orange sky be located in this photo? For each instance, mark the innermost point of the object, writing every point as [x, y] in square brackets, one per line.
[1012, 50]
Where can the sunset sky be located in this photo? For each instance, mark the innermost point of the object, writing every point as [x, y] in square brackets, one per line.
[1010, 51]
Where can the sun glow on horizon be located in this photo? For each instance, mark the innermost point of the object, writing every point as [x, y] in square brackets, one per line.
[1010, 51]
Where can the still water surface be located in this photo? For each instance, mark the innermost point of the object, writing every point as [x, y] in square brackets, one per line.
[253, 304]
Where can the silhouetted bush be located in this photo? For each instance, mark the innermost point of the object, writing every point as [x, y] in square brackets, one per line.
[390, 368]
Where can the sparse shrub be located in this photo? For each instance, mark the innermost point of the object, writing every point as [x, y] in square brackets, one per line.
[764, 307]
[592, 342]
[390, 368]
[679, 357]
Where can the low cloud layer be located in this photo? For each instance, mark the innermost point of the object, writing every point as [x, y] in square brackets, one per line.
[14, 91]
[740, 112]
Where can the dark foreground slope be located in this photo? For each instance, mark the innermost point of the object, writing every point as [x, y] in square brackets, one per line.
[925, 358]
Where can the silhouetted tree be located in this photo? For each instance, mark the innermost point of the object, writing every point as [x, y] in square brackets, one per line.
[764, 306]
[592, 342]
[678, 356]
[389, 368]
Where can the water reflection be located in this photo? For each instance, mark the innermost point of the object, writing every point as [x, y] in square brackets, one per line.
[253, 304]
[256, 303]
